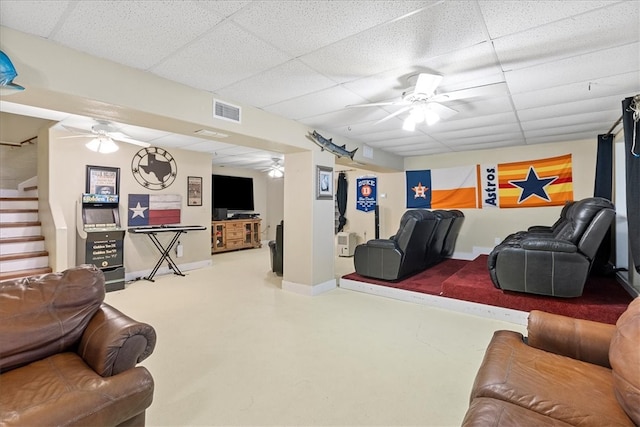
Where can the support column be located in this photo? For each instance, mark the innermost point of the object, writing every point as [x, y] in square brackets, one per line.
[309, 260]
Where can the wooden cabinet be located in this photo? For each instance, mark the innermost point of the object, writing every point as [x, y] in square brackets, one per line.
[235, 234]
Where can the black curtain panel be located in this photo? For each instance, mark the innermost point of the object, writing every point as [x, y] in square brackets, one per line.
[631, 123]
[604, 188]
[604, 167]
[341, 197]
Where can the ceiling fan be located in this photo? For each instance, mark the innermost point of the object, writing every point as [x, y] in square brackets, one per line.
[276, 170]
[103, 134]
[423, 103]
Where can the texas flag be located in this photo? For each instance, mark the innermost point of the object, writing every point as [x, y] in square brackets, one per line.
[154, 209]
[446, 188]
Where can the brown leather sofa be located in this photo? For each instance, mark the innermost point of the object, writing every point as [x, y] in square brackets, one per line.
[67, 358]
[567, 372]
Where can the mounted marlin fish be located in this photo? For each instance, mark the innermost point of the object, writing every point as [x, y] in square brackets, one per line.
[327, 144]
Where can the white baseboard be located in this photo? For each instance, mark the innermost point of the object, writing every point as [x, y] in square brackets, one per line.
[498, 313]
[135, 275]
[310, 290]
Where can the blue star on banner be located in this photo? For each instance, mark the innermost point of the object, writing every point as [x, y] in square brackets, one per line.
[533, 186]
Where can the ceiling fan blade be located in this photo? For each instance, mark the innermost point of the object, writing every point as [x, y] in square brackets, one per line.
[377, 104]
[78, 130]
[491, 89]
[128, 140]
[400, 111]
[427, 84]
[86, 135]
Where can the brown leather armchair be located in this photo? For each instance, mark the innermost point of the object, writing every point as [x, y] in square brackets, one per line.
[567, 372]
[67, 358]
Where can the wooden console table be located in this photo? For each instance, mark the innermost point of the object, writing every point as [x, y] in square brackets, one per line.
[234, 234]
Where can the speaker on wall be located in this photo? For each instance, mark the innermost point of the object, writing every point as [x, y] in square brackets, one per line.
[219, 214]
[377, 211]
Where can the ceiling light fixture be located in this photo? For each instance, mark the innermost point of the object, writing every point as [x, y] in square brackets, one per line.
[102, 144]
[276, 170]
[418, 114]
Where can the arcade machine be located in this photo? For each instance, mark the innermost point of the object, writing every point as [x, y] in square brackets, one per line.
[100, 238]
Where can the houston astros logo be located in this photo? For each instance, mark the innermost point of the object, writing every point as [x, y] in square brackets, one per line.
[154, 168]
[420, 191]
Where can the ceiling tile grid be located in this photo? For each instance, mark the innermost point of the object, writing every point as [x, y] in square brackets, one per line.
[536, 71]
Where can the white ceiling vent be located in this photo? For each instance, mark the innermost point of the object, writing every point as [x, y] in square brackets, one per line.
[226, 111]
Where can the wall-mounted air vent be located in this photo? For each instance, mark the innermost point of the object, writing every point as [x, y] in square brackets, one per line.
[226, 111]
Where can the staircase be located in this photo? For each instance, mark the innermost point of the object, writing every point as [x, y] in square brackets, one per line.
[22, 250]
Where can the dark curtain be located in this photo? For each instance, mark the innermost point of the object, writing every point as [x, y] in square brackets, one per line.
[341, 198]
[604, 188]
[630, 121]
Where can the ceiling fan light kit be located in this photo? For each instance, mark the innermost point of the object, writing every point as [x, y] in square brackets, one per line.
[102, 144]
[276, 170]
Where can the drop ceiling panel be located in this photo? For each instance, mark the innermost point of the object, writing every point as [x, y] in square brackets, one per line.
[608, 103]
[623, 84]
[510, 17]
[583, 33]
[34, 17]
[324, 101]
[289, 80]
[515, 141]
[315, 24]
[120, 30]
[592, 66]
[586, 120]
[223, 56]
[405, 42]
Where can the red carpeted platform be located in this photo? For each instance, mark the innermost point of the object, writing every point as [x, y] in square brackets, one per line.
[603, 299]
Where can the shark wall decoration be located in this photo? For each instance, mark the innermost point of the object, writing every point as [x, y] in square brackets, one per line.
[7, 74]
[327, 144]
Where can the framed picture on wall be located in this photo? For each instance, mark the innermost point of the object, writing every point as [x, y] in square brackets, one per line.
[103, 180]
[324, 183]
[194, 191]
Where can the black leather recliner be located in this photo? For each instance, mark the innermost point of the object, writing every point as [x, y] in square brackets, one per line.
[554, 263]
[399, 256]
[452, 234]
[435, 244]
[276, 249]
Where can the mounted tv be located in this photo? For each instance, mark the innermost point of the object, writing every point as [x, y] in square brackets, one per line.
[234, 193]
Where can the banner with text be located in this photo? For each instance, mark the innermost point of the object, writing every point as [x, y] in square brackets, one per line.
[366, 194]
[532, 183]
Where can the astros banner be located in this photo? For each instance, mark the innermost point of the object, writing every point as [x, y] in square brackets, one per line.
[447, 188]
[542, 182]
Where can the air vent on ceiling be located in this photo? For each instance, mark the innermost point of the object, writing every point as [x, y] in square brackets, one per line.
[226, 111]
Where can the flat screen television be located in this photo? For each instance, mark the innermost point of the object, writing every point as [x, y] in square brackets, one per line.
[234, 193]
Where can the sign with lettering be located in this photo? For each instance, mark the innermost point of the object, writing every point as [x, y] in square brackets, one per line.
[366, 194]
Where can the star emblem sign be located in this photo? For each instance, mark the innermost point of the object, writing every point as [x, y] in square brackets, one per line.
[420, 191]
[533, 185]
[138, 211]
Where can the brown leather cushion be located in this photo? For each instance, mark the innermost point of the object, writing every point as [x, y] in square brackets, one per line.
[63, 390]
[569, 390]
[44, 315]
[624, 356]
[486, 412]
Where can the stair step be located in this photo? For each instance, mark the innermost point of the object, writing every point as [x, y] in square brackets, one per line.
[21, 239]
[16, 232]
[17, 210]
[24, 255]
[18, 199]
[20, 224]
[8, 216]
[16, 246]
[24, 273]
